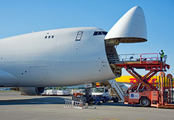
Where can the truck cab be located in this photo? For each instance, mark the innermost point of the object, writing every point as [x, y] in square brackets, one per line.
[101, 92]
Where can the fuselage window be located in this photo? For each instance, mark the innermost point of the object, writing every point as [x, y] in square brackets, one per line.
[79, 35]
[49, 36]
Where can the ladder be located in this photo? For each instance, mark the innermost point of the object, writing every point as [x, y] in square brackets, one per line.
[115, 89]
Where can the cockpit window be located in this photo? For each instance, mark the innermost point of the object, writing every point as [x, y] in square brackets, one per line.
[99, 33]
[95, 33]
[104, 33]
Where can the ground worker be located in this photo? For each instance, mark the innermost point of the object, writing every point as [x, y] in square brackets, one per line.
[161, 55]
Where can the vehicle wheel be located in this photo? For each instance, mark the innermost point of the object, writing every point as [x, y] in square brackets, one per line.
[99, 103]
[104, 100]
[144, 102]
[115, 99]
[84, 99]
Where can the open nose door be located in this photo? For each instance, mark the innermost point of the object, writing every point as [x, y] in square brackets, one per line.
[131, 28]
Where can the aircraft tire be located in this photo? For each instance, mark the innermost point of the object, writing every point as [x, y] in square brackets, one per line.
[84, 99]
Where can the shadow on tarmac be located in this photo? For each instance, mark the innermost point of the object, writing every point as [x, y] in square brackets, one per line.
[119, 104]
[44, 100]
[14, 98]
[53, 100]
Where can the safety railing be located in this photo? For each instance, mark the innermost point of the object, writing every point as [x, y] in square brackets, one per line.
[149, 57]
[73, 104]
[129, 57]
[141, 58]
[117, 88]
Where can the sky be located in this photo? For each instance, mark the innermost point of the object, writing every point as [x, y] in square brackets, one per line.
[24, 16]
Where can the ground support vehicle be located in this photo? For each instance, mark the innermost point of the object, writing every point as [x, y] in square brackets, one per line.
[55, 93]
[143, 92]
[103, 94]
[77, 97]
[97, 95]
[82, 98]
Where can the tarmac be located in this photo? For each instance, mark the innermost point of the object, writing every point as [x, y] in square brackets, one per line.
[14, 106]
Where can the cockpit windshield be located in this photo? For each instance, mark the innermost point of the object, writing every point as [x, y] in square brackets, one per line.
[99, 33]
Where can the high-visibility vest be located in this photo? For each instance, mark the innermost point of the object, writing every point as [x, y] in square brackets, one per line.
[162, 55]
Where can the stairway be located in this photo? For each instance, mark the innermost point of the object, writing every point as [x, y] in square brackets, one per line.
[115, 89]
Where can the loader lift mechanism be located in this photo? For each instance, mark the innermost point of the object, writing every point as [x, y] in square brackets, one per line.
[149, 95]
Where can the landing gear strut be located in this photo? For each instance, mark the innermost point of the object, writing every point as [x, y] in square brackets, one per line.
[88, 96]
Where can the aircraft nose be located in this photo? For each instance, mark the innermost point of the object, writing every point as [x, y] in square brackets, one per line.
[130, 28]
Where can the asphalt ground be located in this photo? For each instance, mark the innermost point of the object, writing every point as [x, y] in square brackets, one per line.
[14, 106]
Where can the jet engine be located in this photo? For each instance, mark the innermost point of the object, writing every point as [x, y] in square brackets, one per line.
[30, 90]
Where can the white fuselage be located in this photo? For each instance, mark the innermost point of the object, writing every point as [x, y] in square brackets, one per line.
[68, 57]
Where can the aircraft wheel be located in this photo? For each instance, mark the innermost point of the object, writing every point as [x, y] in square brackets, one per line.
[84, 99]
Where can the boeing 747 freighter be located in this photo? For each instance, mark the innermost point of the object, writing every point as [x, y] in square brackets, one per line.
[69, 56]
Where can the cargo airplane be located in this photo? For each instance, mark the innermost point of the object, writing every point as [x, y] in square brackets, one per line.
[69, 56]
